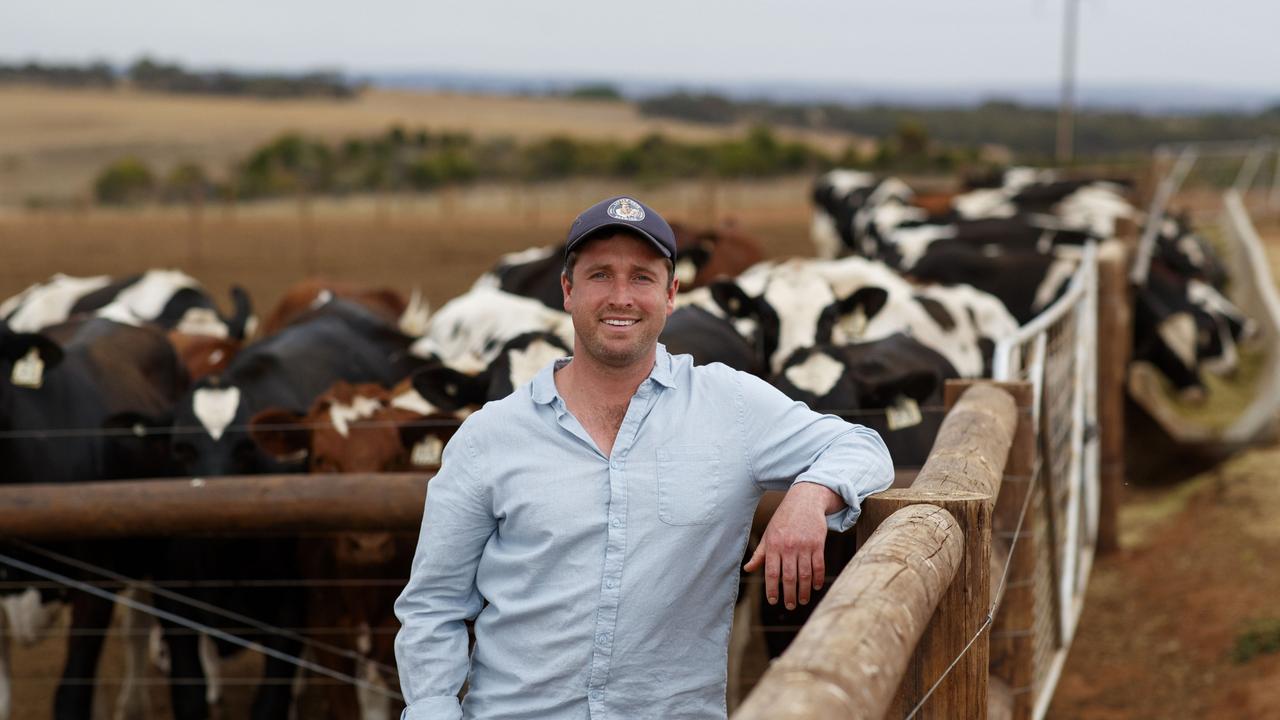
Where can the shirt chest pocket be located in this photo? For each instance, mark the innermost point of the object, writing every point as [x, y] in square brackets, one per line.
[688, 484]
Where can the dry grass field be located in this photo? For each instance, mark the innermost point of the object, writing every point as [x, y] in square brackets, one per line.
[53, 142]
[438, 244]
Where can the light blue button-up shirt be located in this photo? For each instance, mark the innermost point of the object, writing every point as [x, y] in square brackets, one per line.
[610, 581]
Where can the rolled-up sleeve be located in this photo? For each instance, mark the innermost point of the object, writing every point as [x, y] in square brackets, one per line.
[787, 443]
[431, 647]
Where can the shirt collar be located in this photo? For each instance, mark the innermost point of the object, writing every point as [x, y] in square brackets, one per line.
[544, 383]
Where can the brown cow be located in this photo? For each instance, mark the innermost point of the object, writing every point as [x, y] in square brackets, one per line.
[358, 429]
[704, 255]
[312, 292]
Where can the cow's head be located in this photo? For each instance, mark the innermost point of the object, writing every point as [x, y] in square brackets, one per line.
[1185, 326]
[519, 360]
[865, 375]
[362, 428]
[210, 435]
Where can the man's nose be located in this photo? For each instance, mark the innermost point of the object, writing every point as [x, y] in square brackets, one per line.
[620, 292]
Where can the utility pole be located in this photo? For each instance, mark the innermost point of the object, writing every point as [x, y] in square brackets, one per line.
[1066, 109]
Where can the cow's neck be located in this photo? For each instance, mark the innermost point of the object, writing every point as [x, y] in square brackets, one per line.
[599, 398]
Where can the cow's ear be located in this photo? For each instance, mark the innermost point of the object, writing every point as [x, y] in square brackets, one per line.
[450, 389]
[870, 300]
[732, 299]
[15, 346]
[281, 434]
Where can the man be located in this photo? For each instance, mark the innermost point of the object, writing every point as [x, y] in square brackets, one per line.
[601, 509]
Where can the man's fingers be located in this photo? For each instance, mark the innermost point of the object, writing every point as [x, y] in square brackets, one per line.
[771, 568]
[804, 573]
[756, 558]
[789, 580]
[819, 569]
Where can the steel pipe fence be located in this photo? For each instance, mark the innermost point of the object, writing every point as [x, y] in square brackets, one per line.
[1057, 354]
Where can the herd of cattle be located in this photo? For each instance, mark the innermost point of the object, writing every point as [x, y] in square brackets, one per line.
[107, 378]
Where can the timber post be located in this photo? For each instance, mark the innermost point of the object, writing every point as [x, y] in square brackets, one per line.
[1012, 641]
[850, 656]
[1115, 336]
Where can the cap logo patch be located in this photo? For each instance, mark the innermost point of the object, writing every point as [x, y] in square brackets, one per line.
[626, 209]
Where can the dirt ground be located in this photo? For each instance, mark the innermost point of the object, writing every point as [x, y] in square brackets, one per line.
[1163, 615]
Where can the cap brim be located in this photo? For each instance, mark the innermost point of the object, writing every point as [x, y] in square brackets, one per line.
[657, 244]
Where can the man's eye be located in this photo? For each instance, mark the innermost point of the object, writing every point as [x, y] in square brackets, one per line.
[643, 278]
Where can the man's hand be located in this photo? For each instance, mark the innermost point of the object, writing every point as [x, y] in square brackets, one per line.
[792, 545]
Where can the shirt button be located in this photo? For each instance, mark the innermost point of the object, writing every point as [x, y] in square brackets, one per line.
[608, 584]
[615, 464]
[617, 522]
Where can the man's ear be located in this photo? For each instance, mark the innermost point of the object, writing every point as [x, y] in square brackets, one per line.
[280, 434]
[566, 287]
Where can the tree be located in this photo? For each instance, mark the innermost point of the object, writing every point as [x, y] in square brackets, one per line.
[124, 181]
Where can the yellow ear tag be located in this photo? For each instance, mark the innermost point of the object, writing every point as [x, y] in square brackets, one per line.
[29, 371]
[427, 452]
[903, 413]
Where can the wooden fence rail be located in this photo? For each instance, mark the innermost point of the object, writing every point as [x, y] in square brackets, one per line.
[248, 504]
[841, 667]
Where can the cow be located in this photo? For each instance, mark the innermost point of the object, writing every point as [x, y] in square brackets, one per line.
[302, 296]
[709, 337]
[469, 331]
[802, 303]
[893, 385]
[339, 340]
[203, 355]
[104, 392]
[1025, 282]
[1185, 326]
[702, 255]
[849, 203]
[167, 298]
[360, 428]
[517, 362]
[1183, 251]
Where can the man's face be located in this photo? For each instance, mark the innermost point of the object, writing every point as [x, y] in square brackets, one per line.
[619, 299]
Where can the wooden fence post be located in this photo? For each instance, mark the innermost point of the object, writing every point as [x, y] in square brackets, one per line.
[1115, 332]
[1012, 649]
[960, 615]
[849, 658]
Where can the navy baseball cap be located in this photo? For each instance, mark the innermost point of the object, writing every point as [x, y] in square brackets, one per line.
[627, 213]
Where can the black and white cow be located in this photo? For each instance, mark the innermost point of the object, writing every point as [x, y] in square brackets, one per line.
[1184, 327]
[469, 331]
[802, 303]
[1026, 282]
[709, 338]
[851, 205]
[897, 374]
[339, 340]
[1187, 253]
[167, 298]
[75, 387]
[448, 388]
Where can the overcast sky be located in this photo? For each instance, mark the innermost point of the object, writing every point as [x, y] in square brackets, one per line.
[1228, 43]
